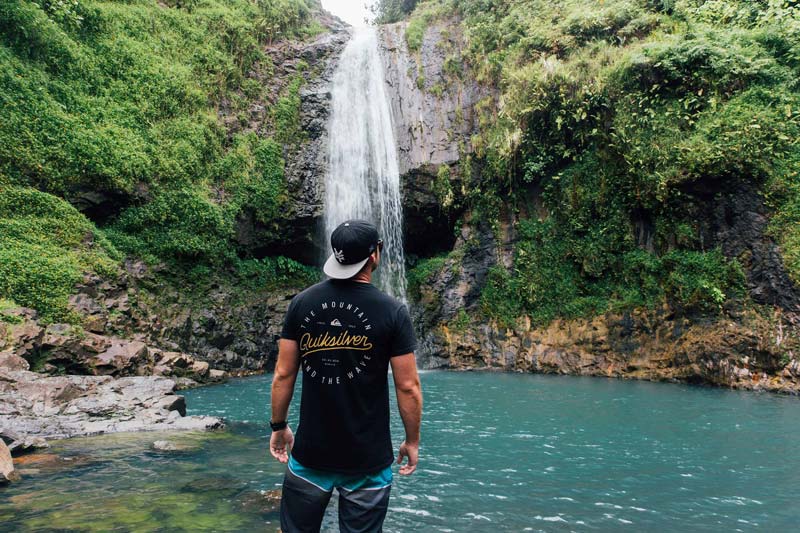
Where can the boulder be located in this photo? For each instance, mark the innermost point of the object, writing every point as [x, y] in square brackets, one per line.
[217, 375]
[54, 407]
[25, 338]
[200, 368]
[174, 360]
[185, 383]
[7, 472]
[19, 443]
[122, 358]
[11, 361]
[263, 502]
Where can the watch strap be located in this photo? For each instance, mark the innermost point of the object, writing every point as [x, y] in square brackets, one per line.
[277, 426]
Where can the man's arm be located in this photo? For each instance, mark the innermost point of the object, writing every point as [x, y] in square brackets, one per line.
[281, 442]
[409, 401]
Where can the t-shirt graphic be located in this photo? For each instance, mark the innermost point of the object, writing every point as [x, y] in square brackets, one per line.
[346, 331]
[329, 333]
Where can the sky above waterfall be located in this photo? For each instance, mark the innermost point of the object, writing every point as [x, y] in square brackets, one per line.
[351, 11]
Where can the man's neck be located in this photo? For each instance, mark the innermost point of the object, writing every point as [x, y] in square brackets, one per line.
[365, 277]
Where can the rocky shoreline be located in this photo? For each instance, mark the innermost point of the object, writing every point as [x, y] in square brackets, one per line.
[749, 353]
[60, 381]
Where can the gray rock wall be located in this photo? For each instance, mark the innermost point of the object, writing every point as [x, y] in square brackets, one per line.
[432, 107]
[434, 94]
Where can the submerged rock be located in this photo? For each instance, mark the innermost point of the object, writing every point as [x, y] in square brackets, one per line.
[263, 502]
[223, 486]
[173, 446]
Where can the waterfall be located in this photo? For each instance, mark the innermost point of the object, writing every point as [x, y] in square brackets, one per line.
[363, 179]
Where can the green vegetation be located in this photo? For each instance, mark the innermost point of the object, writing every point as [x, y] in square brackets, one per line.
[5, 305]
[45, 247]
[423, 272]
[442, 187]
[626, 119]
[183, 225]
[387, 11]
[107, 95]
[419, 20]
[121, 101]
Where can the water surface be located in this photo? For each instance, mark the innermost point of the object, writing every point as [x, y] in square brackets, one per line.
[501, 452]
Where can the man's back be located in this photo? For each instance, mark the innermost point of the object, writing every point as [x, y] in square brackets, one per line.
[346, 331]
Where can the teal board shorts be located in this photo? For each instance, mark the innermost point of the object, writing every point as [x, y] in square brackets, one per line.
[363, 499]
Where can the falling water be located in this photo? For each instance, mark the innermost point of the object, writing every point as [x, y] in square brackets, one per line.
[363, 180]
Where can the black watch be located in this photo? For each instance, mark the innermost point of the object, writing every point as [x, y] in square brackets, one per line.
[277, 426]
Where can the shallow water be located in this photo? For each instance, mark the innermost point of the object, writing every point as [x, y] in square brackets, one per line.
[501, 452]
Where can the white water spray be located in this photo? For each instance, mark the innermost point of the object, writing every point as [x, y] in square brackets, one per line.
[363, 179]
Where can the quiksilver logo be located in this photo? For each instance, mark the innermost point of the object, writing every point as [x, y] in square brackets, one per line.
[335, 322]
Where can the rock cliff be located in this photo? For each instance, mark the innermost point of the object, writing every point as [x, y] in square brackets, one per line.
[433, 100]
[314, 62]
[435, 116]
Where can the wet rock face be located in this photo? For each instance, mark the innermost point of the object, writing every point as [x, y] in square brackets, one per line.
[457, 286]
[150, 327]
[225, 331]
[305, 162]
[738, 222]
[67, 349]
[185, 336]
[428, 227]
[52, 407]
[433, 110]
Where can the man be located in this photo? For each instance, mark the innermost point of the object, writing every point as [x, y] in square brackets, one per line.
[344, 333]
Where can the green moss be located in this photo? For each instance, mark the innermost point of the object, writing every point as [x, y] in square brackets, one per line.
[253, 177]
[45, 247]
[182, 225]
[783, 196]
[422, 273]
[286, 114]
[273, 272]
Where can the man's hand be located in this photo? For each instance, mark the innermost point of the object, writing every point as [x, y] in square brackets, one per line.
[411, 451]
[280, 444]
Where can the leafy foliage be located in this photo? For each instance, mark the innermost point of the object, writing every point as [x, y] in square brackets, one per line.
[120, 99]
[423, 272]
[45, 247]
[388, 11]
[179, 224]
[616, 124]
[106, 95]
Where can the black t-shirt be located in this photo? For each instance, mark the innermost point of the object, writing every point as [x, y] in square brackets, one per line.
[347, 331]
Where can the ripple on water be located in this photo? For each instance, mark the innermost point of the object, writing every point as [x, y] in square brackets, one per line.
[611, 463]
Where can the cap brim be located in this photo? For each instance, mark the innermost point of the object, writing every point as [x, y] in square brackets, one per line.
[335, 269]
